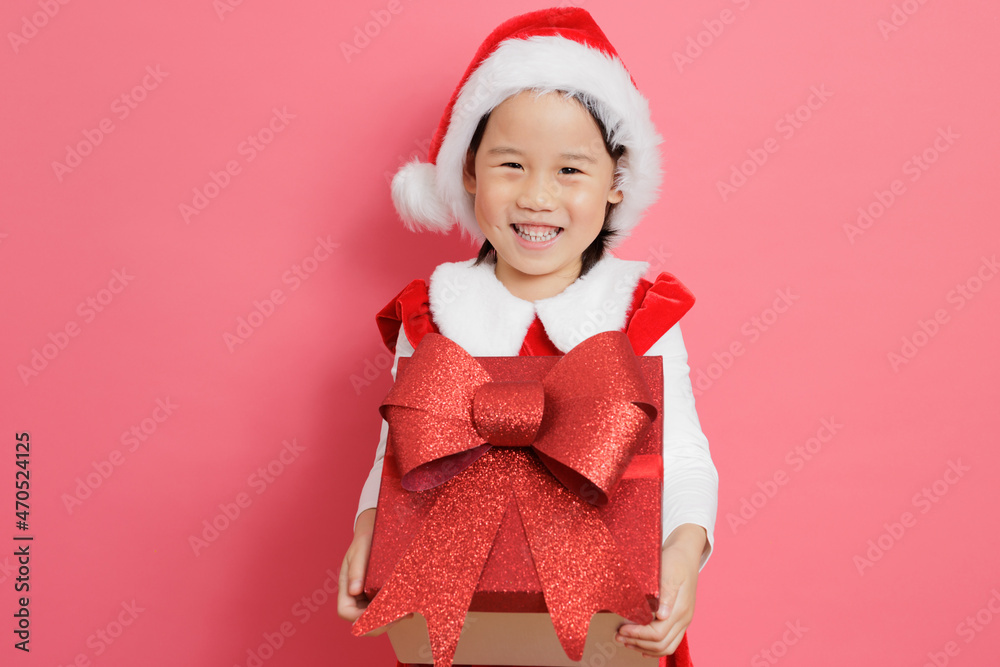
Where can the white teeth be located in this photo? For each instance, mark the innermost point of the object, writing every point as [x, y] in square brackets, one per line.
[537, 238]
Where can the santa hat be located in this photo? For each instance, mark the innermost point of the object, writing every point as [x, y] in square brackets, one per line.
[561, 48]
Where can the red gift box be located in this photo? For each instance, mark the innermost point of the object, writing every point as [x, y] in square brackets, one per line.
[507, 549]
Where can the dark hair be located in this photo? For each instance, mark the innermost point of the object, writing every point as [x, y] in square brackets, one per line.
[595, 251]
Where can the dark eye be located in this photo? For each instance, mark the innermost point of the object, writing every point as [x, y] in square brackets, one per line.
[571, 170]
[511, 164]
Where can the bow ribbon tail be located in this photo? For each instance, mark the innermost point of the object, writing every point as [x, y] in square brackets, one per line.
[577, 559]
[438, 574]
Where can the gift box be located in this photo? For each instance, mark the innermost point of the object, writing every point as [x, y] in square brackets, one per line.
[519, 508]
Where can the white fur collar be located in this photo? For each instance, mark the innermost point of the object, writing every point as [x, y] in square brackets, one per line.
[474, 309]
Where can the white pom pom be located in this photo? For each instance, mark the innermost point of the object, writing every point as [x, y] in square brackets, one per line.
[414, 193]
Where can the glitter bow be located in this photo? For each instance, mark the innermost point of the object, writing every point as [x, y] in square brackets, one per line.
[558, 445]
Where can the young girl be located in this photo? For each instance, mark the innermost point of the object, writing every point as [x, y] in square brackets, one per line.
[547, 154]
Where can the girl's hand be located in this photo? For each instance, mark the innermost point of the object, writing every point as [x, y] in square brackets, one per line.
[351, 601]
[680, 559]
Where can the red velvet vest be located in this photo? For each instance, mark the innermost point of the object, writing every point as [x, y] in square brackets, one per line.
[656, 306]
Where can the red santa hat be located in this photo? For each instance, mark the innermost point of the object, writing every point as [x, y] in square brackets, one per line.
[561, 48]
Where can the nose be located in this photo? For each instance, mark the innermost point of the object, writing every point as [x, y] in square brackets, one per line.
[538, 193]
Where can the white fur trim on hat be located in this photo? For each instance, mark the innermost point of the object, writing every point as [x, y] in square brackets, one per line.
[413, 193]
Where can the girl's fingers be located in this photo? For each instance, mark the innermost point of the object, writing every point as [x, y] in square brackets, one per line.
[661, 637]
[356, 576]
[647, 646]
[358, 563]
[656, 648]
[347, 605]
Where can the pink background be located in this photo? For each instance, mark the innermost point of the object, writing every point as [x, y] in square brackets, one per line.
[792, 560]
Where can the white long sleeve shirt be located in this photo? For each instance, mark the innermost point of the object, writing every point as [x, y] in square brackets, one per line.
[471, 307]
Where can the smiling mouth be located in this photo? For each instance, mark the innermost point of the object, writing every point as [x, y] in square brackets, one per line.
[536, 233]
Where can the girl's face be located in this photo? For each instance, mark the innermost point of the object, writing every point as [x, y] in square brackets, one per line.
[542, 181]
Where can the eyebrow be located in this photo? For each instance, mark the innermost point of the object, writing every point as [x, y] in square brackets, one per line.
[509, 150]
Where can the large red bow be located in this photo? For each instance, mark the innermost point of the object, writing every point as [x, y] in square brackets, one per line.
[476, 442]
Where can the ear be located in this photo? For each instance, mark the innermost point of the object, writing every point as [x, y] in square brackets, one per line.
[615, 196]
[469, 173]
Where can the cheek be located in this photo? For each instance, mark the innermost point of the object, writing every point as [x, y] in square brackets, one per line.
[588, 204]
[491, 202]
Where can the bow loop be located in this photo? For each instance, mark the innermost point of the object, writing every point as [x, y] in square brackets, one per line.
[599, 406]
[428, 410]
